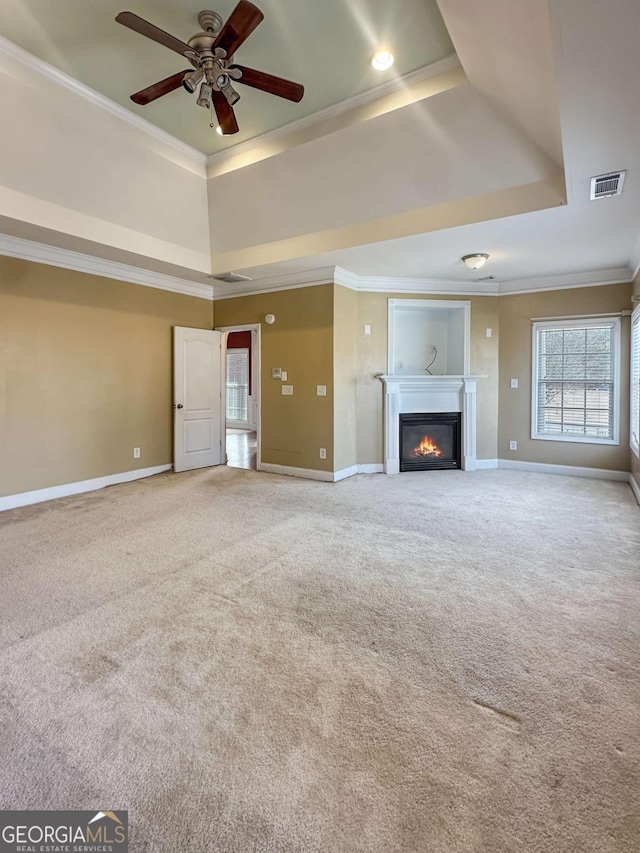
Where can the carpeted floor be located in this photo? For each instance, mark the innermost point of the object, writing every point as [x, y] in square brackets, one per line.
[433, 662]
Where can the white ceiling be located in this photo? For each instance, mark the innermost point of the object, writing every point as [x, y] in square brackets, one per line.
[325, 46]
[552, 85]
[596, 71]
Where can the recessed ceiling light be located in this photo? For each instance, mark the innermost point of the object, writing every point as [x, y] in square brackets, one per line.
[382, 60]
[474, 262]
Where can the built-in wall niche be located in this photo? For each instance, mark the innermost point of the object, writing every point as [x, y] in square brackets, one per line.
[429, 333]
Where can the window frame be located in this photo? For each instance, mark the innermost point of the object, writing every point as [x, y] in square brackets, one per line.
[238, 351]
[634, 370]
[605, 322]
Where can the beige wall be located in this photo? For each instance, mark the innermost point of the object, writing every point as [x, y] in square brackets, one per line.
[516, 313]
[85, 374]
[372, 359]
[635, 462]
[345, 365]
[300, 342]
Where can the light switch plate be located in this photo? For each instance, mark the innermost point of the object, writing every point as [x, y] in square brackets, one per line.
[321, 390]
[276, 372]
[489, 332]
[367, 329]
[513, 445]
[514, 383]
[287, 390]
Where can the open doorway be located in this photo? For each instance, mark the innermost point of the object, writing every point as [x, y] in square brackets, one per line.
[242, 396]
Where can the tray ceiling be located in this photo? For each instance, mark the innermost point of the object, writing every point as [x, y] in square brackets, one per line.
[325, 46]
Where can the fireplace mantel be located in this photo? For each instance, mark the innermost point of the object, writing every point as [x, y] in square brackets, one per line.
[411, 394]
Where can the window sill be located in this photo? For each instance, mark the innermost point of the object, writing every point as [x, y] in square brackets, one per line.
[576, 439]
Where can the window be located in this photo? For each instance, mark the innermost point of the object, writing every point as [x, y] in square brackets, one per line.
[575, 388]
[237, 384]
[635, 381]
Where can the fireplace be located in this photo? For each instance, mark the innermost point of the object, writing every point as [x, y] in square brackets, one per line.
[430, 441]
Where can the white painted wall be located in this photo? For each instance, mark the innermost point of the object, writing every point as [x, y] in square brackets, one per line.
[69, 165]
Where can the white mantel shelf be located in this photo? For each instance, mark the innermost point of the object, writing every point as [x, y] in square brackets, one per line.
[413, 394]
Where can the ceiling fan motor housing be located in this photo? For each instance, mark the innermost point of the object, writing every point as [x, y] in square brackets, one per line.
[211, 22]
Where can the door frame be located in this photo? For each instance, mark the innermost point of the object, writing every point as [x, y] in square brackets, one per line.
[256, 367]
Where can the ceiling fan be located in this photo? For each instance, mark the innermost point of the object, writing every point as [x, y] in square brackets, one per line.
[211, 54]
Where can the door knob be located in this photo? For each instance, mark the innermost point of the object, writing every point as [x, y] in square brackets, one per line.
[179, 406]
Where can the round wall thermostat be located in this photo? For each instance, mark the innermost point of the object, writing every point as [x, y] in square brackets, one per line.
[270, 319]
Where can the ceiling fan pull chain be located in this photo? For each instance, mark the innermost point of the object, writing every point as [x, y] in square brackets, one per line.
[211, 124]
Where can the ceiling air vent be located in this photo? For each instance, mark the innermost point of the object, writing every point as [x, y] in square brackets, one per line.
[603, 186]
[231, 277]
[485, 278]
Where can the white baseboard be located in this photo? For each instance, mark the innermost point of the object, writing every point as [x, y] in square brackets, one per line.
[481, 464]
[371, 468]
[53, 492]
[324, 476]
[344, 473]
[290, 471]
[635, 488]
[566, 470]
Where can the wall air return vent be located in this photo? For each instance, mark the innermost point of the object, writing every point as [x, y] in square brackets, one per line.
[230, 277]
[603, 186]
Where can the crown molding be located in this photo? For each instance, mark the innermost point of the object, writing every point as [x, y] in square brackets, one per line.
[40, 253]
[288, 281]
[195, 160]
[423, 286]
[435, 287]
[346, 278]
[589, 278]
[397, 84]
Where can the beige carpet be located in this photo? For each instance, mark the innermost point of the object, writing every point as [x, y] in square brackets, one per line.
[432, 662]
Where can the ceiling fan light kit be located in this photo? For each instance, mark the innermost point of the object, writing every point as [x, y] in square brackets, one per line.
[211, 53]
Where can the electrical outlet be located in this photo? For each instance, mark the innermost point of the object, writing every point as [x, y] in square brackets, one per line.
[284, 376]
[513, 445]
[367, 329]
[400, 365]
[514, 383]
[136, 453]
[287, 390]
[321, 390]
[489, 332]
[323, 453]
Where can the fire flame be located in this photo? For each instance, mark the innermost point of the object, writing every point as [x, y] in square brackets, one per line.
[426, 448]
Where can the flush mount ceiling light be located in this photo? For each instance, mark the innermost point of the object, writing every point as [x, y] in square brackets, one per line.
[382, 59]
[475, 261]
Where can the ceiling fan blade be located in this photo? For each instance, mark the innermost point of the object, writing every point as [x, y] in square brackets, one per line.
[151, 93]
[242, 22]
[269, 83]
[139, 25]
[225, 113]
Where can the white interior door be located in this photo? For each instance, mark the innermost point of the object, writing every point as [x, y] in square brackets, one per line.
[198, 387]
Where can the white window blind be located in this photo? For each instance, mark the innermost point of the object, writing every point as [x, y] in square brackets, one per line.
[237, 384]
[575, 388]
[635, 381]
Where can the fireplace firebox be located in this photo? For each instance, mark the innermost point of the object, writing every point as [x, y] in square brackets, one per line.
[430, 441]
